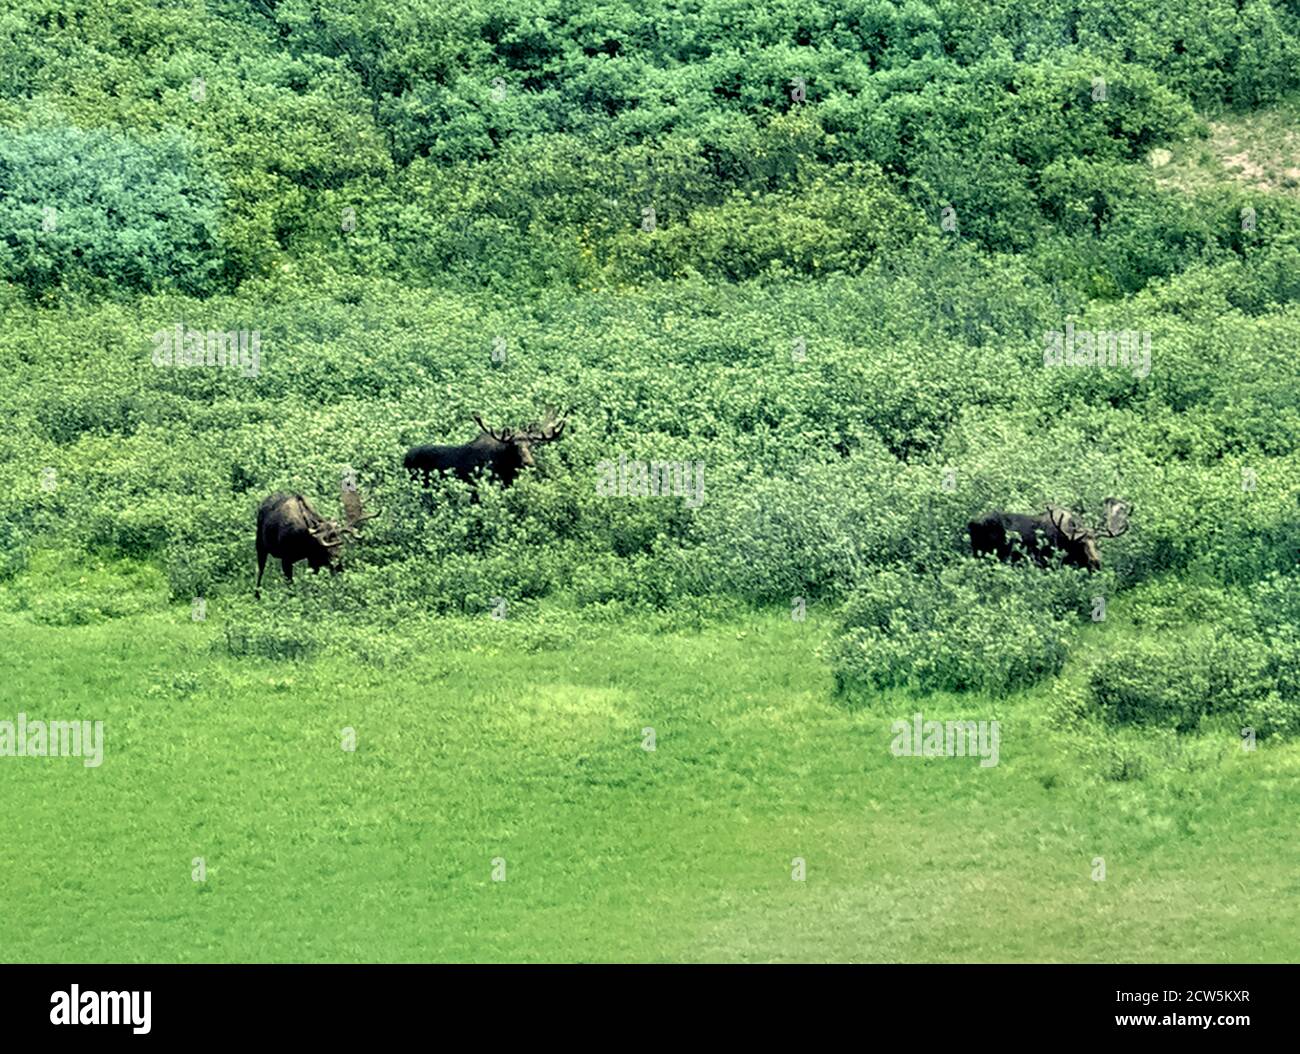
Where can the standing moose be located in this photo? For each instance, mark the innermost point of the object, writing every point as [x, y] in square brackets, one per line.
[289, 529]
[505, 454]
[1012, 536]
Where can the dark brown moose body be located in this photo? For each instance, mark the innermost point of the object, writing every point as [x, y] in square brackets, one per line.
[503, 454]
[290, 529]
[1016, 536]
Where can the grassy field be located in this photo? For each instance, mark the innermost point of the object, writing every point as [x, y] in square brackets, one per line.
[495, 740]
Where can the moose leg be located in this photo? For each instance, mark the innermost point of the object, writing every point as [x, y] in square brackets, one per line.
[1035, 548]
[261, 566]
[287, 564]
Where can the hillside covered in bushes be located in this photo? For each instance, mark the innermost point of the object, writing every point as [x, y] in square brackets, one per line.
[819, 248]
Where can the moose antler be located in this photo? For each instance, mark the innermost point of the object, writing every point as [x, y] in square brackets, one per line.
[314, 518]
[1117, 518]
[546, 431]
[1072, 532]
[352, 512]
[327, 527]
[549, 428]
[503, 437]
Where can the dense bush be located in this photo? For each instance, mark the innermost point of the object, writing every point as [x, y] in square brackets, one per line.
[1247, 670]
[518, 144]
[98, 210]
[829, 446]
[1178, 685]
[976, 625]
[58, 589]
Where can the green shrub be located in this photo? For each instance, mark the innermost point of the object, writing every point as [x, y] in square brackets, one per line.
[1172, 602]
[73, 588]
[97, 207]
[1180, 682]
[270, 639]
[978, 624]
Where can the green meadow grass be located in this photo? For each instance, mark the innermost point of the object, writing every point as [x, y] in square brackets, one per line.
[487, 742]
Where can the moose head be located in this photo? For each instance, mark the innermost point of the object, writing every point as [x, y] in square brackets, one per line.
[333, 535]
[512, 448]
[1078, 541]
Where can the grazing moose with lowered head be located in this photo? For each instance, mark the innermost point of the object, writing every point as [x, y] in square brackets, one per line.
[504, 454]
[289, 529]
[1013, 536]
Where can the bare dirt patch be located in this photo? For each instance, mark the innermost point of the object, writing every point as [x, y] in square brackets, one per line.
[1260, 151]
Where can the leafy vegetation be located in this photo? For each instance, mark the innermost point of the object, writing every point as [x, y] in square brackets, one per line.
[817, 250]
[521, 740]
[990, 627]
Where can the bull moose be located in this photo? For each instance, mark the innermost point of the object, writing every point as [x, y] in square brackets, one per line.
[1013, 536]
[504, 454]
[289, 529]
